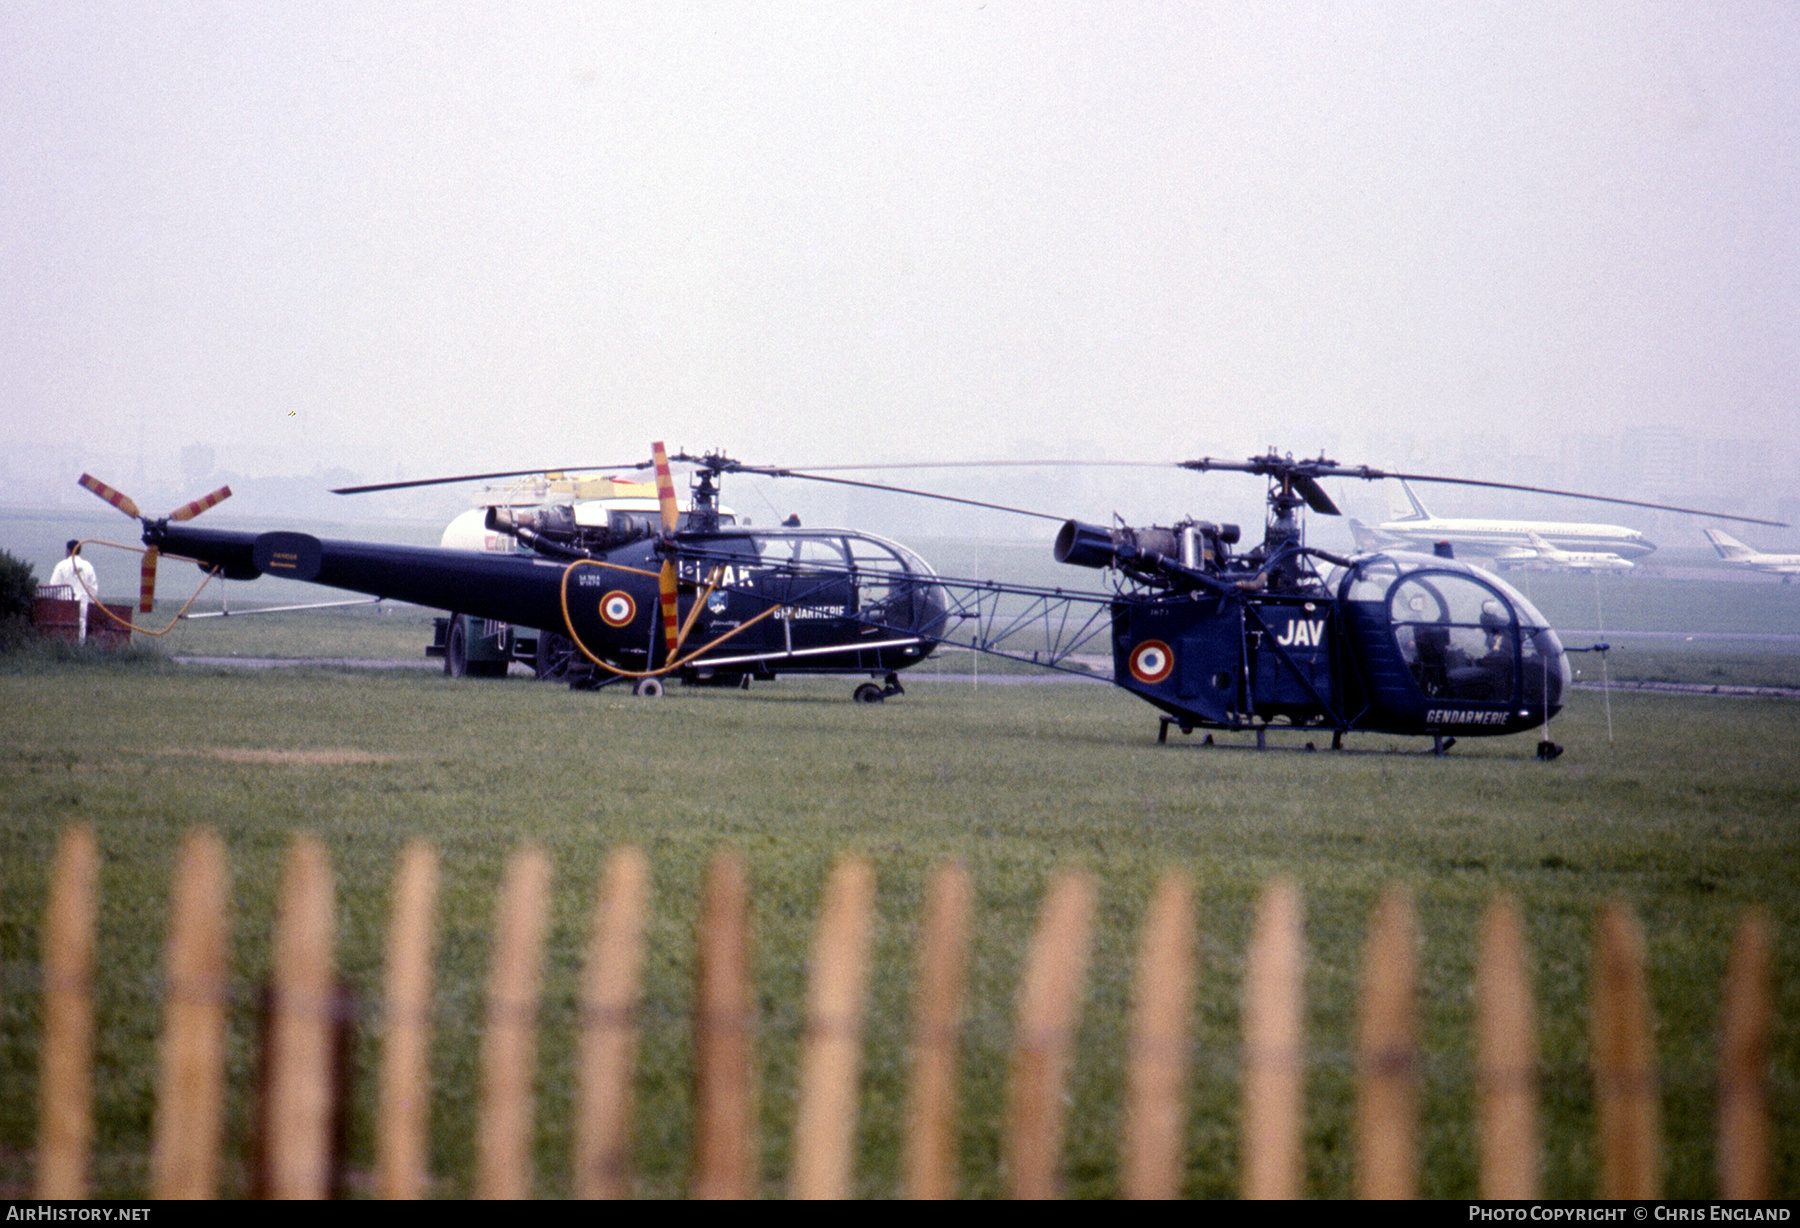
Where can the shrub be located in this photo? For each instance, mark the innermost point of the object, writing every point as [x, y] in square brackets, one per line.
[18, 586]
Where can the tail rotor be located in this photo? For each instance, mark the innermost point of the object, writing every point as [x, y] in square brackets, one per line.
[124, 502]
[147, 581]
[187, 511]
[117, 498]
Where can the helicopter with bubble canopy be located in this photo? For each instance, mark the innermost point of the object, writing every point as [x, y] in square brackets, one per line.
[1278, 637]
[1281, 636]
[638, 598]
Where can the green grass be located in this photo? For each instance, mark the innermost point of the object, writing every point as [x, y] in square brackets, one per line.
[1693, 664]
[1688, 815]
[386, 632]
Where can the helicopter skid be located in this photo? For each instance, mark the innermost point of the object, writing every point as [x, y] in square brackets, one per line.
[1440, 743]
[1262, 733]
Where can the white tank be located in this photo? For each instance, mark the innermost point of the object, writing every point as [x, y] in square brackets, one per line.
[469, 531]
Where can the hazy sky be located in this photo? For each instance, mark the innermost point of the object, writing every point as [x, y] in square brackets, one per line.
[414, 239]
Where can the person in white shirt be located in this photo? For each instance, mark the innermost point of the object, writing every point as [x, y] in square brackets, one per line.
[77, 575]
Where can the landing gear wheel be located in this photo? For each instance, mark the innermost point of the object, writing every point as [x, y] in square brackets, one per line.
[649, 688]
[456, 649]
[868, 693]
[555, 655]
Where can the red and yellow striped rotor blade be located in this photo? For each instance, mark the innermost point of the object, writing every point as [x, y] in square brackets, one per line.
[117, 498]
[187, 511]
[665, 491]
[147, 582]
[671, 628]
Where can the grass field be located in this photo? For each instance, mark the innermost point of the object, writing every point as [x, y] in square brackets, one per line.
[1689, 815]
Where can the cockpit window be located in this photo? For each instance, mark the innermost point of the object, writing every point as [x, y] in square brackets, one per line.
[805, 552]
[1459, 637]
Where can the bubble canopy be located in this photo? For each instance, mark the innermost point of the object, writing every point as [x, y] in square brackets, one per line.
[1462, 646]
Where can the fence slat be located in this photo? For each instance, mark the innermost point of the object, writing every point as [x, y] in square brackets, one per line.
[937, 1035]
[1387, 1077]
[1624, 1061]
[1507, 1058]
[509, 1041]
[825, 1124]
[1745, 1157]
[65, 1122]
[724, 1091]
[305, 1010]
[299, 1108]
[1156, 1077]
[403, 1160]
[1274, 1057]
[189, 1102]
[609, 1029]
[1049, 1012]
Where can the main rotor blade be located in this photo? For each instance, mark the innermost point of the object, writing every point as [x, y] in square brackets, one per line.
[117, 498]
[1056, 463]
[481, 477]
[770, 472]
[1566, 494]
[1322, 468]
[187, 511]
[665, 492]
[1315, 496]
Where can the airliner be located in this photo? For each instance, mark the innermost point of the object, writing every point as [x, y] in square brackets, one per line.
[1577, 560]
[1509, 542]
[1734, 551]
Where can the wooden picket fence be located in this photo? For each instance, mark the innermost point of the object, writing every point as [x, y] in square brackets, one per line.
[297, 1117]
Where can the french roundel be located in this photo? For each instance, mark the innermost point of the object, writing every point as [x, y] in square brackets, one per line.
[1151, 662]
[618, 609]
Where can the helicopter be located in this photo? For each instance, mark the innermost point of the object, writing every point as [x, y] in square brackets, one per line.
[1275, 637]
[1279, 636]
[634, 599]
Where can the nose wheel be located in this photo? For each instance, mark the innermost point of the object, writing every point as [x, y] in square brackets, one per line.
[874, 693]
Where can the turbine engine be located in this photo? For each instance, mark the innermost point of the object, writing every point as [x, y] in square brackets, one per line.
[1190, 548]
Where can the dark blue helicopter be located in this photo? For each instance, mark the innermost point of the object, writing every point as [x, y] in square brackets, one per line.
[1282, 636]
[1277, 637]
[693, 599]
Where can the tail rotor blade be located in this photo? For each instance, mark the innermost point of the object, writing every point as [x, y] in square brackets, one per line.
[670, 589]
[117, 498]
[188, 511]
[665, 493]
[147, 582]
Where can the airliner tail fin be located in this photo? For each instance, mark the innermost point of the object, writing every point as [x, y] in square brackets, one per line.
[1728, 546]
[1403, 504]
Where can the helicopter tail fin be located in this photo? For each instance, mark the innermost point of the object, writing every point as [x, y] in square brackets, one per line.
[1403, 504]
